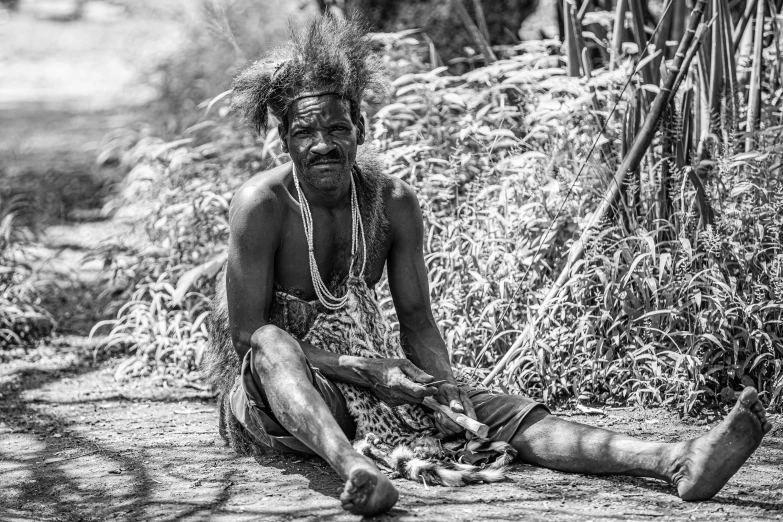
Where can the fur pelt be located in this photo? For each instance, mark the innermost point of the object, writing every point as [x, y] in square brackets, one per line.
[401, 439]
[417, 465]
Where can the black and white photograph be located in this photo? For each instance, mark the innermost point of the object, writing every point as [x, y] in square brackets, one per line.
[394, 260]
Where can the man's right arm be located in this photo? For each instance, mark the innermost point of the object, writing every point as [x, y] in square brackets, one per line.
[255, 222]
[254, 225]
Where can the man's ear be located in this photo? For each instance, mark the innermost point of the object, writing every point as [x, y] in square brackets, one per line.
[283, 134]
[360, 130]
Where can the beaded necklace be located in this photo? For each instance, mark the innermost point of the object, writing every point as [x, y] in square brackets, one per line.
[357, 228]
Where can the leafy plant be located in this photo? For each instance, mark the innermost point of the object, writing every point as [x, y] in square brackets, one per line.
[166, 338]
[22, 321]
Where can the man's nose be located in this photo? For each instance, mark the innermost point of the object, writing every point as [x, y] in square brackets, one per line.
[322, 143]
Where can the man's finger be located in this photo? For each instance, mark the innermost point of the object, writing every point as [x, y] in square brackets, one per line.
[416, 374]
[470, 411]
[453, 399]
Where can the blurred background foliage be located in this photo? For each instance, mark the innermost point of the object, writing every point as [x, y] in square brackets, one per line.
[673, 294]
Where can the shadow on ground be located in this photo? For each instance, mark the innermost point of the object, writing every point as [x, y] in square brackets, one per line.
[79, 446]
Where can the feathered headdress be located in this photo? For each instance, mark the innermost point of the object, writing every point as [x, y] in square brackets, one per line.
[327, 56]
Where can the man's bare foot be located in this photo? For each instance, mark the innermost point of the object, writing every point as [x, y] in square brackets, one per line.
[701, 467]
[367, 490]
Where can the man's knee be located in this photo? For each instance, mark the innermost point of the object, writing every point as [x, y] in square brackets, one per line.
[275, 350]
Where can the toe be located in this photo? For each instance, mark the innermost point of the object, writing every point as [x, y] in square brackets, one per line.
[757, 407]
[749, 397]
[359, 478]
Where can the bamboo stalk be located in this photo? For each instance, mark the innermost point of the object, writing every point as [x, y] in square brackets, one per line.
[739, 29]
[754, 95]
[475, 34]
[631, 162]
[581, 46]
[777, 78]
[716, 63]
[617, 34]
[745, 51]
[679, 22]
[637, 17]
[662, 37]
[571, 41]
[688, 111]
[730, 89]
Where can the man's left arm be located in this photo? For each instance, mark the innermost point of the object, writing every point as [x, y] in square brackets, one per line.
[410, 291]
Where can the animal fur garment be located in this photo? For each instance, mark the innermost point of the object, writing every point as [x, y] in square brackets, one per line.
[401, 439]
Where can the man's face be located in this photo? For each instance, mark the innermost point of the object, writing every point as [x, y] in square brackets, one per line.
[322, 140]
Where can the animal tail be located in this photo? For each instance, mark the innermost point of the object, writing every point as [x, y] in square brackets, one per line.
[402, 461]
[220, 366]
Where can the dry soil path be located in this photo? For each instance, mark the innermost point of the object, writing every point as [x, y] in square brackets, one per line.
[76, 445]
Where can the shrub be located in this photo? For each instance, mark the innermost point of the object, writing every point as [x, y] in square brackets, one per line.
[22, 320]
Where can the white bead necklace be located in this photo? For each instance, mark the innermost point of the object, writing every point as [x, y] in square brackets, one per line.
[357, 229]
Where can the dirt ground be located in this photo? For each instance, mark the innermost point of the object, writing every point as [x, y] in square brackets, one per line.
[76, 445]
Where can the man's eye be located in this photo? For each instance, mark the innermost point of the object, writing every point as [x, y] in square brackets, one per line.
[341, 128]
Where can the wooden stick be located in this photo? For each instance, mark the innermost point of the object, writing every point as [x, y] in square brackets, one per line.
[472, 425]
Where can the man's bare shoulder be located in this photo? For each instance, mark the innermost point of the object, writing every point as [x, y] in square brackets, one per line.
[401, 201]
[260, 201]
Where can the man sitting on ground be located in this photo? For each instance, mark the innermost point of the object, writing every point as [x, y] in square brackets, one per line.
[300, 230]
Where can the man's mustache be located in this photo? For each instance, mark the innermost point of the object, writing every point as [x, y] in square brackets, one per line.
[331, 157]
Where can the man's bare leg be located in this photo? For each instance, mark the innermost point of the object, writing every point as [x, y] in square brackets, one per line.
[282, 368]
[698, 468]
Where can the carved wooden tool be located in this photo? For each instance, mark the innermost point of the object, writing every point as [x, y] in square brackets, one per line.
[472, 425]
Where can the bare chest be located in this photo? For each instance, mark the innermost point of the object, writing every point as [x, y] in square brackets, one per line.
[332, 249]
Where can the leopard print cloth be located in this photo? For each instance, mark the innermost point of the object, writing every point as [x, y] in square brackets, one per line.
[359, 329]
[401, 439]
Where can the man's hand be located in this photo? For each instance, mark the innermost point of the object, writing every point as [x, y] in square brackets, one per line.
[396, 381]
[455, 398]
